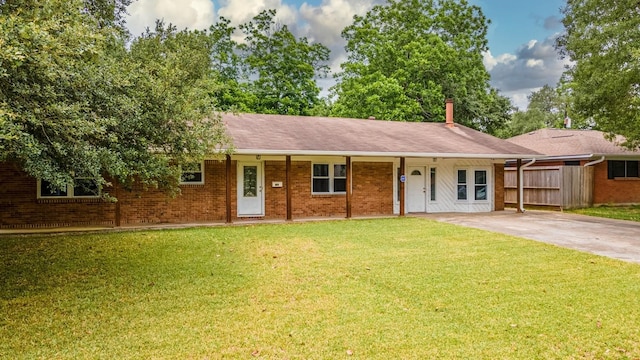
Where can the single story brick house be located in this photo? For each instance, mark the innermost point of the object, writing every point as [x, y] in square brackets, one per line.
[612, 173]
[288, 167]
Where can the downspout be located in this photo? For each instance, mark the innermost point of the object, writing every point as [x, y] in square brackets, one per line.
[521, 189]
[594, 162]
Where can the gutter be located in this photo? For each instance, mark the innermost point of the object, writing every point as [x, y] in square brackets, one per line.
[594, 162]
[521, 189]
[381, 154]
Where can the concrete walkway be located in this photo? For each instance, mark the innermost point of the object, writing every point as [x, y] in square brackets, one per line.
[617, 239]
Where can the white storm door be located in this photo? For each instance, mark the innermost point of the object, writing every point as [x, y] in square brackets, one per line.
[250, 189]
[416, 189]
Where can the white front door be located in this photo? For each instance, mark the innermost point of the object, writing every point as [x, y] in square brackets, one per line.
[417, 189]
[250, 189]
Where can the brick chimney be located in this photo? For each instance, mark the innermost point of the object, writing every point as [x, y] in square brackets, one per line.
[449, 113]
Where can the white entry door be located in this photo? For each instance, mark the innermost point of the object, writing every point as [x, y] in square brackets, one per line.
[417, 189]
[250, 189]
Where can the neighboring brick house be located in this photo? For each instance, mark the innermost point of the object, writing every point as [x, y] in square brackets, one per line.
[288, 167]
[615, 176]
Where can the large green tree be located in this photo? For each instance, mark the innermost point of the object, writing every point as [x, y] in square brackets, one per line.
[549, 107]
[76, 101]
[602, 37]
[406, 57]
[283, 68]
[227, 67]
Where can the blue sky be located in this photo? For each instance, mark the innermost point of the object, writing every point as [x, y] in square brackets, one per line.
[515, 22]
[521, 36]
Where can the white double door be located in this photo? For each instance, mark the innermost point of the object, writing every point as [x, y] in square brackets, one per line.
[417, 188]
[250, 189]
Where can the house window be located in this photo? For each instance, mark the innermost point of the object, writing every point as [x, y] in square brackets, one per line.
[622, 169]
[472, 184]
[192, 174]
[480, 185]
[329, 178]
[82, 188]
[433, 184]
[462, 184]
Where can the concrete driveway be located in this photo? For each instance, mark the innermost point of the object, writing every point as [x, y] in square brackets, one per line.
[613, 238]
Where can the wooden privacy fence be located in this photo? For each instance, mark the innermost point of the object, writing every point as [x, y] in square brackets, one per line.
[566, 187]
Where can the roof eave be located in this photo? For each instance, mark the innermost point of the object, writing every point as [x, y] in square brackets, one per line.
[584, 157]
[381, 154]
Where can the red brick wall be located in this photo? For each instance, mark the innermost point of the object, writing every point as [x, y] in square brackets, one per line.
[372, 188]
[20, 207]
[498, 190]
[304, 204]
[372, 192]
[614, 191]
[275, 199]
[196, 203]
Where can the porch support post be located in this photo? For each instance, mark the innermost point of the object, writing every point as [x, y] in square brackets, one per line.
[401, 185]
[518, 186]
[288, 188]
[228, 188]
[349, 181]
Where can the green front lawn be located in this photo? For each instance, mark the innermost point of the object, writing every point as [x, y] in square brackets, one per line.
[367, 289]
[613, 212]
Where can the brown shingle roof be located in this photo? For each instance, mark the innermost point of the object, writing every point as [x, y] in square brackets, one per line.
[300, 135]
[570, 142]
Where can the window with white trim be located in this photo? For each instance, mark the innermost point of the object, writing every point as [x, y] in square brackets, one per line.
[462, 184]
[480, 185]
[474, 187]
[82, 188]
[432, 184]
[192, 174]
[329, 178]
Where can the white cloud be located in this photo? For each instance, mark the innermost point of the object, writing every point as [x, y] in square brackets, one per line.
[192, 14]
[241, 11]
[534, 65]
[490, 62]
[325, 22]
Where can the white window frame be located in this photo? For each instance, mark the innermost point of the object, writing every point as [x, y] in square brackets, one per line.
[458, 183]
[471, 184]
[485, 184]
[331, 176]
[194, 182]
[433, 184]
[70, 192]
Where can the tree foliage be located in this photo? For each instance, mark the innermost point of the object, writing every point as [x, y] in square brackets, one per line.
[75, 101]
[549, 107]
[602, 39]
[405, 58]
[284, 68]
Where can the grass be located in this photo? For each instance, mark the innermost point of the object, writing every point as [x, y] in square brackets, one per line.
[361, 289]
[631, 212]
